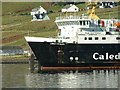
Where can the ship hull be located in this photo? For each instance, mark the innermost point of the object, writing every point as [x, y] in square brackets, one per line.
[76, 55]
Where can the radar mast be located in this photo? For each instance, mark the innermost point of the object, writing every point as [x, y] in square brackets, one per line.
[91, 10]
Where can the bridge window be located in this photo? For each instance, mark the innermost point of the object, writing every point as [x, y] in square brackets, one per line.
[103, 38]
[80, 22]
[87, 22]
[66, 23]
[56, 41]
[85, 38]
[96, 38]
[83, 22]
[117, 38]
[90, 38]
[61, 24]
[75, 23]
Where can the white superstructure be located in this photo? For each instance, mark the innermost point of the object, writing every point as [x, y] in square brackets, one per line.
[79, 30]
[84, 29]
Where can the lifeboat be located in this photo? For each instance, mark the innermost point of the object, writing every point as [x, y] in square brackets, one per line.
[117, 24]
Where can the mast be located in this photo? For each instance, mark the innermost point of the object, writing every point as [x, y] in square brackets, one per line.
[91, 10]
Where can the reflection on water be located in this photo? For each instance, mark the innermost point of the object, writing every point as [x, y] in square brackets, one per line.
[17, 75]
[13, 75]
[93, 79]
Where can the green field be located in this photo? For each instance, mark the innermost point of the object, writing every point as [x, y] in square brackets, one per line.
[16, 24]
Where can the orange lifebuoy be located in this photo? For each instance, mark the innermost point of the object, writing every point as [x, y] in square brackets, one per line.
[117, 24]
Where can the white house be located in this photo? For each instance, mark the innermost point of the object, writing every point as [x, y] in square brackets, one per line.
[39, 14]
[107, 4]
[70, 8]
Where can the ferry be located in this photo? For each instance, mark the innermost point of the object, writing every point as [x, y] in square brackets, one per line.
[83, 41]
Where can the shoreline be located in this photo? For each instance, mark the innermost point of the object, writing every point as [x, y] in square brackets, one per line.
[15, 59]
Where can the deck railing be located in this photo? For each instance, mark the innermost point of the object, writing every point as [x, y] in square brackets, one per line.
[71, 17]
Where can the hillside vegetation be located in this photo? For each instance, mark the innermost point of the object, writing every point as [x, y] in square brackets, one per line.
[16, 21]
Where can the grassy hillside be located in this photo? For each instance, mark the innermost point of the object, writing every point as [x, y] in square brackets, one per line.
[9, 7]
[15, 24]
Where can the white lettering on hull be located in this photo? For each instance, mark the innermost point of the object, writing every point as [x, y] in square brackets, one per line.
[106, 56]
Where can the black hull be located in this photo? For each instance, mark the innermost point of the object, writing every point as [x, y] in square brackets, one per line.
[75, 55]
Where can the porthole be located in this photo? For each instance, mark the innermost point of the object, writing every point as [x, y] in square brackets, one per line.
[76, 58]
[71, 58]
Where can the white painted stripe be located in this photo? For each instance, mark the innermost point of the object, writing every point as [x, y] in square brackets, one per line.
[40, 39]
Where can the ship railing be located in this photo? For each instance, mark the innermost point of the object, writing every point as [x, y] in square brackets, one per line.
[63, 38]
[68, 17]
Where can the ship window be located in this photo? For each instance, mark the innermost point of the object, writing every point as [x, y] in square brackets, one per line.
[85, 38]
[90, 38]
[67, 23]
[56, 41]
[117, 38]
[87, 22]
[83, 22]
[70, 23]
[96, 38]
[75, 23]
[73, 41]
[103, 38]
[61, 24]
[80, 22]
[67, 37]
[58, 24]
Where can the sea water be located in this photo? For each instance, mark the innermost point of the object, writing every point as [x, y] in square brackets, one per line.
[18, 76]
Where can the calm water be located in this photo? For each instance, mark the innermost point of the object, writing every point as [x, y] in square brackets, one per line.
[18, 76]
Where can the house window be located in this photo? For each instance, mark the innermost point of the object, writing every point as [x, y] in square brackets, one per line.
[117, 38]
[96, 38]
[90, 38]
[103, 38]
